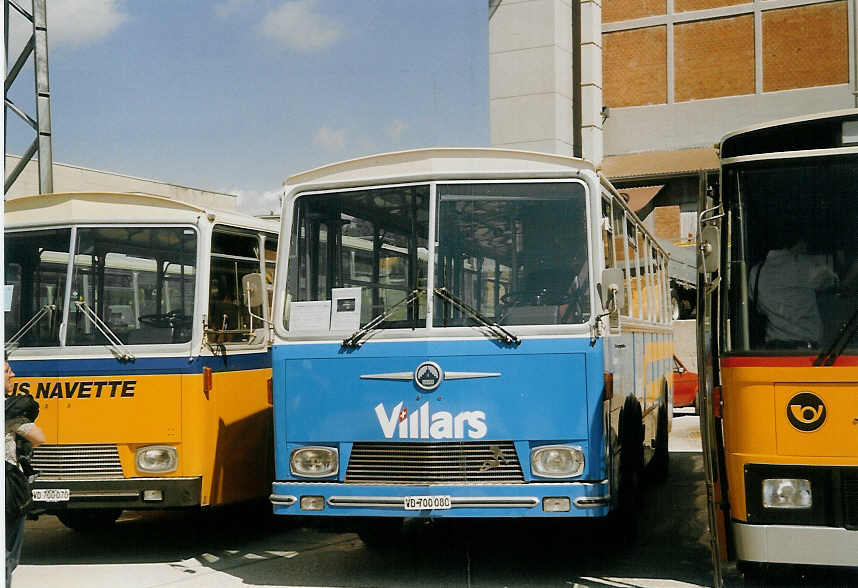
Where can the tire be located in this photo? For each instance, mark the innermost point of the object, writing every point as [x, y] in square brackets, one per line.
[624, 519]
[380, 532]
[659, 466]
[87, 520]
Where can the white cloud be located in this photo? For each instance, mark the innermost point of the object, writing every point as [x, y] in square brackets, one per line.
[395, 129]
[258, 202]
[82, 22]
[331, 140]
[297, 25]
[228, 8]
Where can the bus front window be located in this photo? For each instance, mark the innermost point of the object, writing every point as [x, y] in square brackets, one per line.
[515, 252]
[373, 241]
[139, 281]
[793, 257]
[36, 269]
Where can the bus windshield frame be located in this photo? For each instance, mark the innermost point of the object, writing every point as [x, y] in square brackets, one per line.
[782, 211]
[475, 251]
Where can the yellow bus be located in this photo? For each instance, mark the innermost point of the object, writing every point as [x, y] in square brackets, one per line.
[777, 346]
[141, 326]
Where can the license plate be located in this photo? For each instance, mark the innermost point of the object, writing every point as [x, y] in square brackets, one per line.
[50, 494]
[427, 503]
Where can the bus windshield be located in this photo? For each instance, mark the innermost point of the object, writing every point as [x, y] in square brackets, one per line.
[36, 268]
[140, 281]
[515, 252]
[793, 255]
[374, 240]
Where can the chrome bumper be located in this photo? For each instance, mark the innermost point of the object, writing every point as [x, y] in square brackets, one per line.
[793, 544]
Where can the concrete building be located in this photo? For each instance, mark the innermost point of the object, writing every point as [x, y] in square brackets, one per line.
[70, 178]
[660, 82]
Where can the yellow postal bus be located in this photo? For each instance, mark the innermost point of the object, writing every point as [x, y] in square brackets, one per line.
[778, 352]
[140, 324]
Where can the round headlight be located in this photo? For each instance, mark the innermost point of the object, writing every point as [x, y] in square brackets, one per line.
[315, 462]
[157, 459]
[557, 461]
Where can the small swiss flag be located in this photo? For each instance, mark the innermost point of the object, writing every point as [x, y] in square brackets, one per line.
[403, 414]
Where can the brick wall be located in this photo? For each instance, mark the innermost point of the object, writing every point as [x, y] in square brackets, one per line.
[666, 222]
[805, 46]
[634, 66]
[714, 58]
[616, 10]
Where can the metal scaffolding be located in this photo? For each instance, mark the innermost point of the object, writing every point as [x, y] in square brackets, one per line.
[37, 45]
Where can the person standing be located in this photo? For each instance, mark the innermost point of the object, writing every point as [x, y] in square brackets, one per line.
[16, 426]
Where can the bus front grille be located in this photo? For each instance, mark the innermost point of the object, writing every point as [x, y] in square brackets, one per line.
[77, 461]
[465, 462]
[849, 481]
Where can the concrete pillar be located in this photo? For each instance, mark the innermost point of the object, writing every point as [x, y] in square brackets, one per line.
[530, 75]
[531, 93]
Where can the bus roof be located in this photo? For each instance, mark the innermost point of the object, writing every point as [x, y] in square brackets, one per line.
[448, 163]
[790, 121]
[108, 207]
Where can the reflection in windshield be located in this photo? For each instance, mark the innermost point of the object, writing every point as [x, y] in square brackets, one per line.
[139, 281]
[374, 240]
[515, 252]
[793, 255]
[36, 266]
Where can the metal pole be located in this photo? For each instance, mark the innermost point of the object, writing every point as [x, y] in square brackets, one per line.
[38, 46]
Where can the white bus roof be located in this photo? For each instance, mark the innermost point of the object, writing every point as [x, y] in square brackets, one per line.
[791, 120]
[448, 163]
[118, 208]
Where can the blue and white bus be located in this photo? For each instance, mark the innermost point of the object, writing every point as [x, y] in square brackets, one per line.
[466, 333]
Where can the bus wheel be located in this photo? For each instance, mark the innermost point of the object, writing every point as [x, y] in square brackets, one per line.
[89, 519]
[378, 532]
[660, 463]
[624, 518]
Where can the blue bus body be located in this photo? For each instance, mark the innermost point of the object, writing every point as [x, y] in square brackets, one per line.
[443, 422]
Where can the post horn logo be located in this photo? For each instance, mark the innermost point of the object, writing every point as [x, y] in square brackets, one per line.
[806, 411]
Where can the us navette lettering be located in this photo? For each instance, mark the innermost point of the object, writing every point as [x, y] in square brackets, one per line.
[79, 389]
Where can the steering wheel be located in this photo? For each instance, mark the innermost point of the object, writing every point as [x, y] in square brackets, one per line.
[165, 320]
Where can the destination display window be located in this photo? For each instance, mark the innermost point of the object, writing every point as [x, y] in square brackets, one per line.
[358, 256]
[133, 283]
[517, 253]
[36, 269]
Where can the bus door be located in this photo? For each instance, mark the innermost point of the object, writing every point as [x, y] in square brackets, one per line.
[708, 389]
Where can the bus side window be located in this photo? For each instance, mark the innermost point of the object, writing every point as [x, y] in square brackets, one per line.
[607, 233]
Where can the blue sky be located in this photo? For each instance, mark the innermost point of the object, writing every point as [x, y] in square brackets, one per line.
[235, 95]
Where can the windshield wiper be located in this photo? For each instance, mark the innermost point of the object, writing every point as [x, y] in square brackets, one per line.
[354, 341]
[830, 354]
[116, 344]
[28, 326]
[498, 331]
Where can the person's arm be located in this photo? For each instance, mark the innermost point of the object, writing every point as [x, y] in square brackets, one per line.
[32, 433]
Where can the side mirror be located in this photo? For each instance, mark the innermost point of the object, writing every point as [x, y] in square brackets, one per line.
[253, 286]
[710, 248]
[612, 288]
